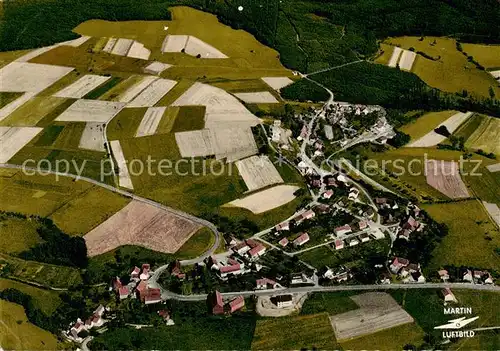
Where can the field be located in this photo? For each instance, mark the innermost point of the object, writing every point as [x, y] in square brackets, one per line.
[332, 303]
[432, 138]
[124, 179]
[125, 124]
[445, 177]
[191, 46]
[233, 143]
[33, 111]
[494, 212]
[261, 97]
[266, 200]
[468, 223]
[16, 333]
[485, 137]
[297, 332]
[426, 123]
[188, 118]
[449, 71]
[17, 234]
[150, 122]
[93, 137]
[82, 86]
[91, 111]
[277, 82]
[13, 139]
[143, 225]
[46, 300]
[377, 311]
[29, 77]
[486, 55]
[152, 93]
[196, 245]
[258, 172]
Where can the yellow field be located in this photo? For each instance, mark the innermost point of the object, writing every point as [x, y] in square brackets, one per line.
[466, 243]
[46, 300]
[486, 55]
[9, 56]
[486, 137]
[16, 333]
[426, 123]
[384, 54]
[17, 235]
[451, 71]
[29, 114]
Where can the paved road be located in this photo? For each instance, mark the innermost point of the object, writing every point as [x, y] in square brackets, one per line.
[182, 214]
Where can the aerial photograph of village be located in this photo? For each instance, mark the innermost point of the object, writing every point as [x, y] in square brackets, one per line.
[249, 175]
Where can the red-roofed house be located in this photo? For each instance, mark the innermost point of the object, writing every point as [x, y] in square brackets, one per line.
[283, 242]
[448, 295]
[443, 274]
[327, 194]
[141, 290]
[217, 303]
[224, 271]
[117, 284]
[236, 304]
[345, 229]
[362, 225]
[301, 239]
[257, 251]
[397, 264]
[135, 273]
[265, 283]
[283, 226]
[123, 292]
[339, 244]
[241, 248]
[153, 295]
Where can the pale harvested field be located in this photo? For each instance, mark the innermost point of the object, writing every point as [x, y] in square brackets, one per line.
[13, 139]
[258, 172]
[395, 57]
[277, 82]
[30, 77]
[136, 89]
[153, 93]
[137, 50]
[156, 67]
[222, 108]
[233, 143]
[174, 43]
[150, 121]
[195, 143]
[123, 174]
[432, 138]
[14, 105]
[91, 111]
[195, 46]
[109, 45]
[378, 311]
[266, 200]
[486, 137]
[495, 74]
[407, 59]
[77, 42]
[494, 211]
[93, 137]
[445, 177]
[494, 168]
[143, 225]
[261, 97]
[122, 46]
[82, 86]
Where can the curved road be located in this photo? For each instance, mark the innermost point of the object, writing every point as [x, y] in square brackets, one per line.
[182, 214]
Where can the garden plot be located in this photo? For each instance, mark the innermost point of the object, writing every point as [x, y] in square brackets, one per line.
[493, 211]
[136, 89]
[174, 43]
[494, 168]
[150, 121]
[407, 59]
[156, 67]
[277, 82]
[432, 138]
[395, 57]
[122, 47]
[143, 225]
[93, 137]
[378, 311]
[266, 200]
[137, 50]
[261, 97]
[91, 111]
[123, 174]
[30, 77]
[444, 176]
[258, 172]
[233, 143]
[14, 105]
[153, 93]
[196, 143]
[222, 109]
[109, 45]
[82, 86]
[13, 139]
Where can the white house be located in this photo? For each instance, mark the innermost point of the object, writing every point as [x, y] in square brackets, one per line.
[283, 300]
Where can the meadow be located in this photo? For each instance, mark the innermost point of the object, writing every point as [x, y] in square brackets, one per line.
[486, 55]
[46, 300]
[295, 332]
[426, 123]
[332, 303]
[17, 234]
[486, 136]
[467, 222]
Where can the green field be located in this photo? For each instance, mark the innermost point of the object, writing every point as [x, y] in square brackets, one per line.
[102, 89]
[295, 332]
[423, 125]
[469, 126]
[16, 333]
[17, 234]
[199, 243]
[32, 112]
[124, 125]
[40, 273]
[450, 71]
[46, 300]
[486, 136]
[332, 303]
[486, 55]
[467, 222]
[7, 97]
[189, 118]
[168, 120]
[387, 340]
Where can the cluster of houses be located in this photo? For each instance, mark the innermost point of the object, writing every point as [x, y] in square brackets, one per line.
[248, 249]
[280, 135]
[220, 307]
[137, 286]
[80, 327]
[408, 272]
[341, 274]
[469, 276]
